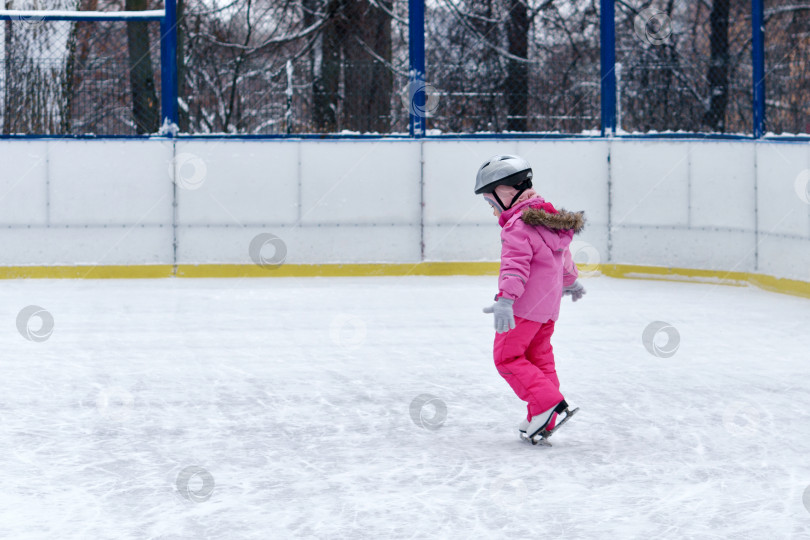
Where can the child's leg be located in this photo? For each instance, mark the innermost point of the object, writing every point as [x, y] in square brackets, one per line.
[527, 380]
[541, 354]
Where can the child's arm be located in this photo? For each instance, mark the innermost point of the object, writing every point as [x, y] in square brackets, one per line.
[516, 257]
[570, 271]
[571, 286]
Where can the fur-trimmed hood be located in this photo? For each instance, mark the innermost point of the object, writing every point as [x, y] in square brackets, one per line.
[563, 220]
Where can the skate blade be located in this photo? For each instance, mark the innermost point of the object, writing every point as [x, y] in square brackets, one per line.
[568, 415]
[537, 440]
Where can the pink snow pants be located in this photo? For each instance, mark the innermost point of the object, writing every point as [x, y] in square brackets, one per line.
[524, 358]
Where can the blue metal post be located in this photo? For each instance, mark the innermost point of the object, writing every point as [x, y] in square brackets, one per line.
[608, 53]
[168, 63]
[758, 61]
[416, 73]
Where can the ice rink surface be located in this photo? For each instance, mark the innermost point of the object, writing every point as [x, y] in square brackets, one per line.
[281, 408]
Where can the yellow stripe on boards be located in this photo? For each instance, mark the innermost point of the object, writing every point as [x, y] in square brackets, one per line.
[87, 272]
[722, 277]
[625, 271]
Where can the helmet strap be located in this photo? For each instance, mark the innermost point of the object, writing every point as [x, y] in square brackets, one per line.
[499, 201]
[517, 196]
[523, 186]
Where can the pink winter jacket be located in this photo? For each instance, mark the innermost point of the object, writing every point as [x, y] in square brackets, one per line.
[535, 260]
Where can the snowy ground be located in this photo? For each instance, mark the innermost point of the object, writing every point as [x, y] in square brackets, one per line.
[272, 408]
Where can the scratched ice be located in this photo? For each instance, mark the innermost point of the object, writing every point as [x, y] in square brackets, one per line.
[370, 408]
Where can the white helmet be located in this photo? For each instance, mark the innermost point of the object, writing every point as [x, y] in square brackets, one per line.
[505, 170]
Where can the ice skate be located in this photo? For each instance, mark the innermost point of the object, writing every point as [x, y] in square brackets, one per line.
[536, 432]
[523, 425]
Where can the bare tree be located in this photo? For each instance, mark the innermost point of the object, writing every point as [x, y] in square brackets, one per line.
[717, 75]
[8, 53]
[368, 82]
[145, 105]
[325, 62]
[182, 90]
[516, 83]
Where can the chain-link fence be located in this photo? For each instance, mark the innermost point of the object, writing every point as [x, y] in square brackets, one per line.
[684, 66]
[512, 66]
[310, 66]
[79, 77]
[787, 66]
[333, 66]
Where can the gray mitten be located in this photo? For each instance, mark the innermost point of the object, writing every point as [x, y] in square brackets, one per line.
[504, 316]
[576, 290]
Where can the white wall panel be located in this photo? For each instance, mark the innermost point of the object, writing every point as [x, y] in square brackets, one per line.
[784, 257]
[683, 248]
[357, 182]
[781, 210]
[23, 183]
[305, 245]
[449, 175]
[722, 177]
[463, 242]
[674, 203]
[233, 182]
[110, 182]
[591, 245]
[68, 246]
[466, 242]
[650, 183]
[570, 174]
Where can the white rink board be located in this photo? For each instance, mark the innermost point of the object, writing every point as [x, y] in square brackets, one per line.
[571, 174]
[732, 205]
[23, 183]
[305, 244]
[362, 183]
[109, 182]
[237, 183]
[75, 202]
[650, 183]
[449, 181]
[708, 249]
[781, 211]
[721, 185]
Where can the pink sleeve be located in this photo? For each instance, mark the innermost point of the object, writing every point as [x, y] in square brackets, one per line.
[516, 258]
[570, 272]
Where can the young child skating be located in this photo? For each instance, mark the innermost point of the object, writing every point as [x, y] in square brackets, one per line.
[536, 271]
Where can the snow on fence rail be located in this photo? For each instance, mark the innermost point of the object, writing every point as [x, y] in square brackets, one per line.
[72, 15]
